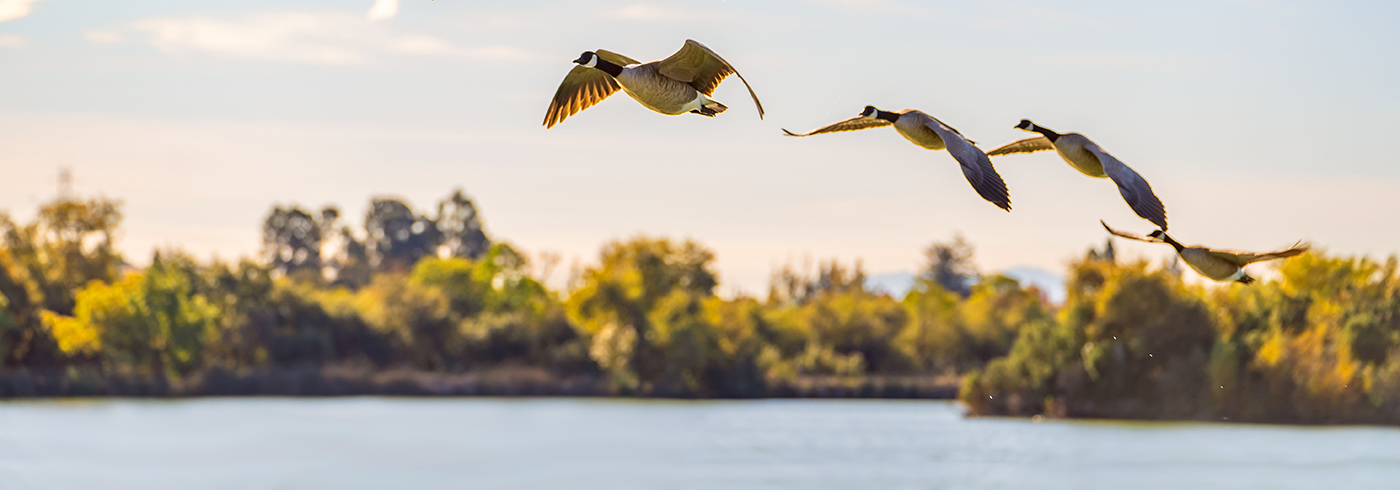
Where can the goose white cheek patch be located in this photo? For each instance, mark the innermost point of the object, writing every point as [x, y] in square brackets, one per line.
[592, 61]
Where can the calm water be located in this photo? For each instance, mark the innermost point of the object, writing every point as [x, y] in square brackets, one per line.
[552, 444]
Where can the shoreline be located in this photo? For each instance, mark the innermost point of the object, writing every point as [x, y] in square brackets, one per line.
[521, 383]
[509, 382]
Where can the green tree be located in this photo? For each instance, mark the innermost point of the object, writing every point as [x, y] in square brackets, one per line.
[994, 314]
[47, 261]
[151, 323]
[934, 339]
[417, 317]
[20, 307]
[617, 297]
[1131, 343]
[503, 314]
[68, 244]
[856, 322]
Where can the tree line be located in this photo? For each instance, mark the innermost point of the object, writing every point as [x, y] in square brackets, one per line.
[412, 302]
[1321, 344]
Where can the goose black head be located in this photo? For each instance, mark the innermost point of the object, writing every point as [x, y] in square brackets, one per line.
[1162, 235]
[588, 59]
[1026, 124]
[870, 111]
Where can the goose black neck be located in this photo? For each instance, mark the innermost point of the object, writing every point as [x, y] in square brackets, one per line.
[1175, 244]
[610, 68]
[888, 116]
[1051, 135]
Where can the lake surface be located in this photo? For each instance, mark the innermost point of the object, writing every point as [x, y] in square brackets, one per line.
[476, 443]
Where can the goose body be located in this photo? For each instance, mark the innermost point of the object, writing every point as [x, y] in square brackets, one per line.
[1089, 159]
[1215, 263]
[679, 84]
[646, 85]
[917, 127]
[930, 133]
[1073, 148]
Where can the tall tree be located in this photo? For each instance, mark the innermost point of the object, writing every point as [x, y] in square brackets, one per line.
[343, 254]
[460, 225]
[950, 265]
[68, 244]
[292, 241]
[396, 237]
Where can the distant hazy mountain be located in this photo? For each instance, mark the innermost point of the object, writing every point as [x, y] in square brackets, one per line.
[897, 284]
[1053, 284]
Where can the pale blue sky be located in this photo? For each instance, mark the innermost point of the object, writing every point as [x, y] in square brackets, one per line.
[1258, 122]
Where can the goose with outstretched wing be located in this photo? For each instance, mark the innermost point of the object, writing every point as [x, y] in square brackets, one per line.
[928, 132]
[1216, 263]
[1086, 156]
[679, 84]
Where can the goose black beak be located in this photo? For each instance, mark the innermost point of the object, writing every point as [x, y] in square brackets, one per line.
[580, 60]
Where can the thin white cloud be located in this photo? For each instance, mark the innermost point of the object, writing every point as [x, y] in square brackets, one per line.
[317, 38]
[647, 12]
[383, 9]
[12, 41]
[14, 9]
[312, 38]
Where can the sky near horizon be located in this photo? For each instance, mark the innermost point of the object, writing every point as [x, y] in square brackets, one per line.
[1257, 122]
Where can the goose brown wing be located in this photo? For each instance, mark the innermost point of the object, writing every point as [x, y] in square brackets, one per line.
[1135, 189]
[853, 124]
[583, 87]
[615, 58]
[703, 69]
[1028, 145]
[976, 166]
[1130, 236]
[1242, 258]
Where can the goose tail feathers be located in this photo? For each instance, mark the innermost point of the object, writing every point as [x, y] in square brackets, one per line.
[710, 109]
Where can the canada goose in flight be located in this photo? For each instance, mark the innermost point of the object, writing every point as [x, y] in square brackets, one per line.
[926, 131]
[1086, 157]
[676, 85]
[1215, 263]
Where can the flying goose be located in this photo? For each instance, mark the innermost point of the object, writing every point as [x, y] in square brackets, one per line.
[1086, 157]
[1218, 264]
[673, 86]
[926, 131]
